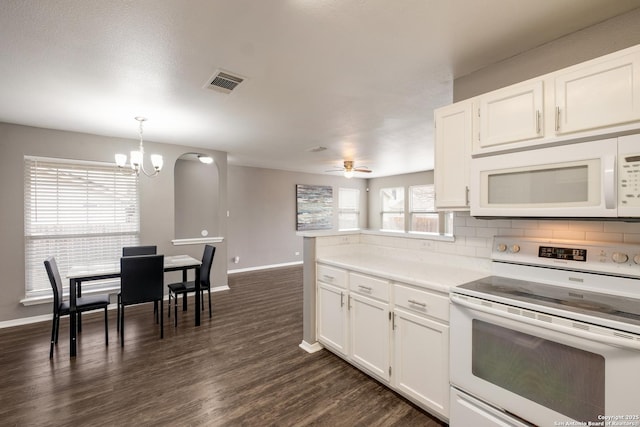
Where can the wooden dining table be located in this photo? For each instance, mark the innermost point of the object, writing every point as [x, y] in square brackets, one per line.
[84, 273]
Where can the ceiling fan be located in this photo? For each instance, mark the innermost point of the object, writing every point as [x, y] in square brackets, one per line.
[349, 169]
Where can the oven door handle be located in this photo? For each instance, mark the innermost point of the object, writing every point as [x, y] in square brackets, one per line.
[629, 343]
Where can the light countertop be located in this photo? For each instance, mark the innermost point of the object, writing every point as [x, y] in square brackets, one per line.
[439, 273]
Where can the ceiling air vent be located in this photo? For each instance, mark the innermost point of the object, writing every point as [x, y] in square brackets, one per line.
[224, 82]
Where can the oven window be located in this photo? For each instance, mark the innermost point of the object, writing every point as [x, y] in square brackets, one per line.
[565, 379]
[569, 184]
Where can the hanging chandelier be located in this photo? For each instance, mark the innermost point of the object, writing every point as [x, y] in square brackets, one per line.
[137, 157]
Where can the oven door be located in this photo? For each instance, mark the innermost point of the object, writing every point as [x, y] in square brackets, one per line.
[575, 180]
[542, 372]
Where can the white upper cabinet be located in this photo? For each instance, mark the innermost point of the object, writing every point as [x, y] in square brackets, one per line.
[599, 93]
[510, 115]
[452, 154]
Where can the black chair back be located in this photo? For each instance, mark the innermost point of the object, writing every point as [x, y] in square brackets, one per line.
[56, 283]
[139, 250]
[205, 268]
[141, 279]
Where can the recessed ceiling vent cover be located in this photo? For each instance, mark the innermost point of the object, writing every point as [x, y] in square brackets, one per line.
[224, 82]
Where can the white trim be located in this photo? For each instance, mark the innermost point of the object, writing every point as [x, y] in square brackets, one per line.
[220, 288]
[264, 267]
[37, 319]
[26, 320]
[197, 241]
[310, 348]
[74, 161]
[47, 299]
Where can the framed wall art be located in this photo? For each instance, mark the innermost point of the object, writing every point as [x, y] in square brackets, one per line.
[314, 204]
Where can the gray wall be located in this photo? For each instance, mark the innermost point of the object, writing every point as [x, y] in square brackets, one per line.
[405, 180]
[156, 202]
[614, 34]
[262, 209]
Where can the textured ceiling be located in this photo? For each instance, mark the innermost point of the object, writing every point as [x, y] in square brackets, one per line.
[359, 77]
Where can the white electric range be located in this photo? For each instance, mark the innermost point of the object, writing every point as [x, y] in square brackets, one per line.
[551, 338]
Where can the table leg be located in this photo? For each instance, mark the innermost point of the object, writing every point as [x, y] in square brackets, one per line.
[72, 316]
[197, 308]
[184, 296]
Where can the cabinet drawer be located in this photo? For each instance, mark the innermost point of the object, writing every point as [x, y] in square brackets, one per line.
[370, 286]
[334, 276]
[422, 302]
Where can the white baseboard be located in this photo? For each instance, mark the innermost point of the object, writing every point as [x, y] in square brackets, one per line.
[264, 267]
[310, 348]
[26, 321]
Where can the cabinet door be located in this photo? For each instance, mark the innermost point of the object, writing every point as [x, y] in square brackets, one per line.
[421, 360]
[370, 335]
[452, 153]
[598, 94]
[332, 317]
[509, 115]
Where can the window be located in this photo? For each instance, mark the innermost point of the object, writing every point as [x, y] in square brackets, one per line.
[348, 209]
[424, 217]
[392, 208]
[79, 212]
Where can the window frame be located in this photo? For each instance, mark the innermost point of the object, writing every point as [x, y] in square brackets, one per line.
[72, 212]
[444, 218]
[400, 212]
[354, 211]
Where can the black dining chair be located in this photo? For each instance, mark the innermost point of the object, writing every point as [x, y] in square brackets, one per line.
[139, 250]
[142, 250]
[62, 308]
[183, 288]
[141, 281]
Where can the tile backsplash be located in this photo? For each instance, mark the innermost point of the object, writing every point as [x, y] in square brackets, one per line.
[474, 237]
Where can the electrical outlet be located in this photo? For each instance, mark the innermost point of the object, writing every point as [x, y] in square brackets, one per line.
[426, 244]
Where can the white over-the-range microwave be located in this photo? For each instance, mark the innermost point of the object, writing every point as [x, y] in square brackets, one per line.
[595, 179]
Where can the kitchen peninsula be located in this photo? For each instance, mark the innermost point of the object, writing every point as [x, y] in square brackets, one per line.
[381, 302]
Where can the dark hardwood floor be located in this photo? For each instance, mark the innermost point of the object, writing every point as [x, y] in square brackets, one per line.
[243, 367]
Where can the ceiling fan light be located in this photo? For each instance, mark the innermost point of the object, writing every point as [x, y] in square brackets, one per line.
[348, 174]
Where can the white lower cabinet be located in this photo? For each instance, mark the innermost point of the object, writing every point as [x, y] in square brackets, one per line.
[370, 335]
[332, 317]
[397, 333]
[420, 362]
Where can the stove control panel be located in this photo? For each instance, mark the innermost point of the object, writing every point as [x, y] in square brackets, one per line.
[600, 257]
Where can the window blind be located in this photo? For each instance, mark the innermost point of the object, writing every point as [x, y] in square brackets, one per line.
[79, 212]
[348, 209]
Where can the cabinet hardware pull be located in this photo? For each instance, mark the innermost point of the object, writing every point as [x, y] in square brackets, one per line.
[341, 299]
[393, 322]
[414, 302]
[327, 277]
[466, 196]
[538, 122]
[557, 119]
[366, 288]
